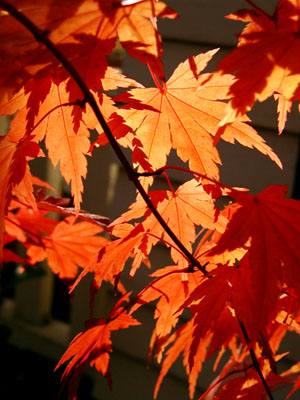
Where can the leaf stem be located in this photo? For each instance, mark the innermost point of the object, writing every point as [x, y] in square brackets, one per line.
[255, 360]
[169, 183]
[155, 79]
[217, 382]
[42, 37]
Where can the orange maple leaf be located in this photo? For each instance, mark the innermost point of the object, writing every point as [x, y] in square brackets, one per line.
[171, 287]
[13, 166]
[67, 138]
[284, 107]
[111, 259]
[65, 145]
[24, 190]
[181, 341]
[184, 114]
[47, 108]
[70, 245]
[264, 62]
[93, 346]
[190, 205]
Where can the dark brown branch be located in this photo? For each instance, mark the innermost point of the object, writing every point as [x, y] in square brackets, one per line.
[258, 9]
[255, 361]
[42, 37]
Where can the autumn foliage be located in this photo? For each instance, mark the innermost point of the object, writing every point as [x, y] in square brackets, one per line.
[239, 278]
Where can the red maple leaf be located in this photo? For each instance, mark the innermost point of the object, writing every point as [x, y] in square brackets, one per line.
[208, 301]
[268, 225]
[9, 255]
[264, 62]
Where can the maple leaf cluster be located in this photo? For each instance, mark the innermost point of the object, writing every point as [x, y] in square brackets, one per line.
[239, 277]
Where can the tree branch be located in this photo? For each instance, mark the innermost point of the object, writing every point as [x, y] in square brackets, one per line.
[42, 37]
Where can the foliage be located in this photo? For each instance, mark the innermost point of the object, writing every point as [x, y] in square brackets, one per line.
[239, 278]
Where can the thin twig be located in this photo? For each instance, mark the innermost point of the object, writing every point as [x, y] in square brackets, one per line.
[42, 37]
[161, 170]
[258, 9]
[255, 361]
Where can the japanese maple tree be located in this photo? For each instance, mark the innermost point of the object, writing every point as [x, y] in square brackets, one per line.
[239, 277]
